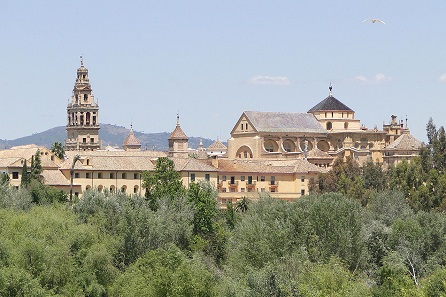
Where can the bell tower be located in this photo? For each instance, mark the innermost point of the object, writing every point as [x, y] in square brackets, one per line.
[83, 115]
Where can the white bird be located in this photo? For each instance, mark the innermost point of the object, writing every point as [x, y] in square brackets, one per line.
[374, 21]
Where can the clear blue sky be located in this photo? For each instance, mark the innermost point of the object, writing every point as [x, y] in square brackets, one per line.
[212, 60]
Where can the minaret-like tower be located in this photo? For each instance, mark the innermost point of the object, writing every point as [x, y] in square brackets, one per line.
[178, 142]
[83, 115]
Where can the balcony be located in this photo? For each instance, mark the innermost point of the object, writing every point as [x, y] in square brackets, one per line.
[233, 184]
[251, 184]
[273, 184]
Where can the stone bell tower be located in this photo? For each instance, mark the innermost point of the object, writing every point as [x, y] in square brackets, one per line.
[83, 115]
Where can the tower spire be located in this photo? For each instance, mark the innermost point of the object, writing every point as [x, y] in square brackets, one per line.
[330, 88]
[82, 61]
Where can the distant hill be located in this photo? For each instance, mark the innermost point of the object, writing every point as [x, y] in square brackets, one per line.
[109, 134]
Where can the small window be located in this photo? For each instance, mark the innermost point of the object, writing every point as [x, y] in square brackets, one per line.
[302, 178]
[99, 174]
[88, 161]
[262, 190]
[15, 175]
[112, 175]
[223, 178]
[273, 190]
[84, 140]
[262, 178]
[135, 175]
[207, 177]
[250, 190]
[232, 190]
[92, 140]
[223, 190]
[87, 175]
[192, 176]
[246, 126]
[302, 192]
[76, 175]
[242, 178]
[135, 189]
[123, 176]
[76, 194]
[329, 126]
[242, 126]
[242, 189]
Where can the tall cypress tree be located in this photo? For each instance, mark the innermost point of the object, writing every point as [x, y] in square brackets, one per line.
[25, 176]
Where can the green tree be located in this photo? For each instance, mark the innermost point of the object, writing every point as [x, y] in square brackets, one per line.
[164, 181]
[26, 179]
[204, 200]
[242, 205]
[165, 273]
[36, 166]
[230, 215]
[73, 163]
[4, 179]
[58, 149]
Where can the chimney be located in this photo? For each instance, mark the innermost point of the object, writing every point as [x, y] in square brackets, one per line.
[215, 161]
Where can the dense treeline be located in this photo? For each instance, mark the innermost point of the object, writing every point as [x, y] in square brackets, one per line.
[362, 232]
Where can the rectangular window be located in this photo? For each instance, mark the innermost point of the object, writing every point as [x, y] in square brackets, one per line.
[84, 140]
[223, 190]
[92, 140]
[262, 178]
[192, 176]
[232, 190]
[15, 175]
[207, 177]
[302, 192]
[76, 175]
[223, 178]
[112, 175]
[135, 175]
[302, 178]
[262, 190]
[76, 194]
[135, 190]
[249, 189]
[123, 176]
[242, 189]
[87, 175]
[272, 190]
[242, 178]
[99, 174]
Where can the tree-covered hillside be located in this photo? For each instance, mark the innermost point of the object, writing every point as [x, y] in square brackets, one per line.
[109, 134]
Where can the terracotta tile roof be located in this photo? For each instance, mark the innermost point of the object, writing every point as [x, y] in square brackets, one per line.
[405, 142]
[9, 162]
[23, 151]
[267, 166]
[318, 154]
[330, 104]
[131, 140]
[54, 178]
[284, 122]
[112, 163]
[178, 133]
[146, 153]
[217, 145]
[191, 164]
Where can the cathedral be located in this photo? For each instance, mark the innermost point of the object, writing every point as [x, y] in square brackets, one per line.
[326, 131]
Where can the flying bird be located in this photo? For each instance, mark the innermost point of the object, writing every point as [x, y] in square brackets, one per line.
[374, 21]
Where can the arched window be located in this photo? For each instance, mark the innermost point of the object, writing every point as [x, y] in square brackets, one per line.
[100, 188]
[85, 97]
[289, 146]
[270, 145]
[329, 125]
